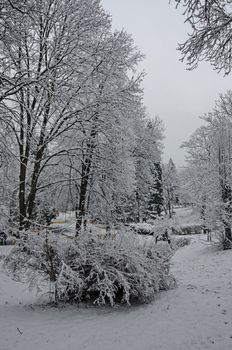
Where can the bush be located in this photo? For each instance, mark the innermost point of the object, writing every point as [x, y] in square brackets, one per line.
[224, 242]
[187, 230]
[181, 242]
[143, 228]
[91, 269]
[227, 243]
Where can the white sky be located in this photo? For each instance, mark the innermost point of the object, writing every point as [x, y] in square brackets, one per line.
[178, 96]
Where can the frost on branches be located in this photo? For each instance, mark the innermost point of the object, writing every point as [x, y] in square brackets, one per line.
[210, 35]
[91, 269]
[208, 176]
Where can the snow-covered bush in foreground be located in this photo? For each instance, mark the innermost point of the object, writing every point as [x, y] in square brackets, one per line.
[91, 269]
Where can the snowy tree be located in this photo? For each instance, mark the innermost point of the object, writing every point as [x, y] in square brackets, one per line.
[170, 186]
[8, 178]
[209, 157]
[210, 39]
[48, 59]
[114, 176]
[155, 205]
[147, 155]
[60, 64]
[71, 108]
[97, 164]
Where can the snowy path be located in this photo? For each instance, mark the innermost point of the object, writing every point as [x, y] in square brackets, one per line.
[196, 315]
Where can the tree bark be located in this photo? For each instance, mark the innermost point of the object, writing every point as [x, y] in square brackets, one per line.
[81, 213]
[85, 179]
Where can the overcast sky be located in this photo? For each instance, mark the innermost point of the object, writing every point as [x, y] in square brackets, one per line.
[177, 95]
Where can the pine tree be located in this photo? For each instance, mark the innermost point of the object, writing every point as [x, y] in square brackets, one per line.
[170, 186]
[155, 205]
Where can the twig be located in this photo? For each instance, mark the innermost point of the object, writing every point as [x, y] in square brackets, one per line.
[19, 331]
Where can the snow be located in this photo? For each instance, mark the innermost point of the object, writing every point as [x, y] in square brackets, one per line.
[195, 315]
[186, 216]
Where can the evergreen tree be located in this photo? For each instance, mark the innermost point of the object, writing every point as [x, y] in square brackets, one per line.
[170, 186]
[155, 205]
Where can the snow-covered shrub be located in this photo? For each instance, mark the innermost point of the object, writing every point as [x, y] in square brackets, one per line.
[224, 242]
[180, 242]
[177, 231]
[187, 229]
[143, 228]
[91, 269]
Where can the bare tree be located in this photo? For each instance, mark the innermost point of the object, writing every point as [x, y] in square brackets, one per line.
[210, 39]
[209, 157]
[48, 60]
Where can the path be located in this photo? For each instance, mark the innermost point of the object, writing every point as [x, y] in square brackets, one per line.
[196, 315]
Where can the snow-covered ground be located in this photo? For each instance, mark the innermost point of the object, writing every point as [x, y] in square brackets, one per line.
[195, 315]
[186, 216]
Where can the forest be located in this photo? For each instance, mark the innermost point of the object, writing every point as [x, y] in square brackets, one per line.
[91, 215]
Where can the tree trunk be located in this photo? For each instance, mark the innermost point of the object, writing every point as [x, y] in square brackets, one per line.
[227, 200]
[169, 210]
[22, 204]
[228, 232]
[85, 179]
[85, 173]
[33, 189]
